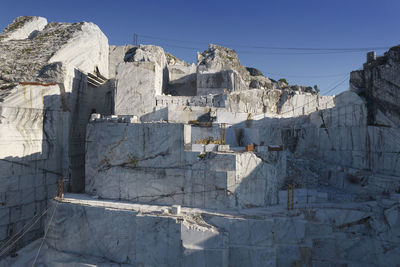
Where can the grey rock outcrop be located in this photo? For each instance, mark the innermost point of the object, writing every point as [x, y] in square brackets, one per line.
[261, 82]
[219, 71]
[222, 58]
[379, 84]
[150, 53]
[254, 71]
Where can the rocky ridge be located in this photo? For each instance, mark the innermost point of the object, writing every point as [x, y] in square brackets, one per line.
[222, 58]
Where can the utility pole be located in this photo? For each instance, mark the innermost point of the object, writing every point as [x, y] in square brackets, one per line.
[135, 39]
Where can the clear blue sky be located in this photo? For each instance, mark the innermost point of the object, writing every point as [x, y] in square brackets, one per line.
[314, 23]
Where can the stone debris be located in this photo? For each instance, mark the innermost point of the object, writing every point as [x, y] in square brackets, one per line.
[176, 209]
[178, 164]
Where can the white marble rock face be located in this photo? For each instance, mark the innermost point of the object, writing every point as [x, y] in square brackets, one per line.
[121, 160]
[23, 28]
[82, 46]
[318, 235]
[44, 106]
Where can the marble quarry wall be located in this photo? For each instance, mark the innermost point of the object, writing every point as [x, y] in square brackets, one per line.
[147, 163]
[219, 71]
[182, 78]
[84, 100]
[336, 144]
[211, 81]
[33, 141]
[378, 82]
[45, 104]
[285, 103]
[140, 76]
[312, 236]
[256, 101]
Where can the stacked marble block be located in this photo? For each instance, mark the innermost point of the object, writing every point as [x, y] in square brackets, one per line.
[147, 163]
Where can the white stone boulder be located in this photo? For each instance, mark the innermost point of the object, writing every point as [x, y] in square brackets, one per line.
[23, 28]
[55, 53]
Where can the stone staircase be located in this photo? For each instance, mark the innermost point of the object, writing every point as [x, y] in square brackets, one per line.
[96, 80]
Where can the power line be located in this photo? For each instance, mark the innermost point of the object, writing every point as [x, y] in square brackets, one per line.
[320, 51]
[35, 109]
[341, 49]
[22, 229]
[45, 234]
[306, 76]
[315, 99]
[272, 53]
[32, 167]
[29, 225]
[8, 247]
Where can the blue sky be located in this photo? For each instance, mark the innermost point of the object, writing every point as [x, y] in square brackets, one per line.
[242, 25]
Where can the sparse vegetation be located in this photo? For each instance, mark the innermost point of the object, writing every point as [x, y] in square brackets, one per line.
[171, 56]
[209, 140]
[202, 155]
[283, 80]
[132, 160]
[7, 86]
[26, 50]
[18, 23]
[316, 89]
